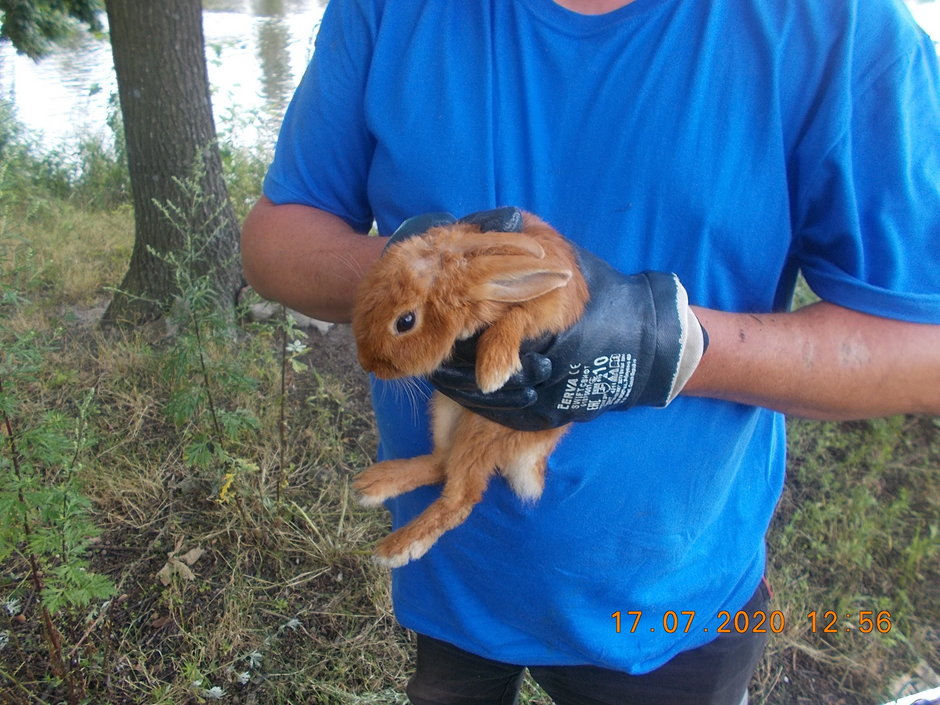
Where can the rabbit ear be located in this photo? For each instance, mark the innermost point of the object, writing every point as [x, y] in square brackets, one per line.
[502, 243]
[506, 280]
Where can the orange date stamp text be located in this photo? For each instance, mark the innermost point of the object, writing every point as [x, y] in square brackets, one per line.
[757, 622]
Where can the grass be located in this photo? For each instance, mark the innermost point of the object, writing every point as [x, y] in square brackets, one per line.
[256, 584]
[286, 595]
[857, 529]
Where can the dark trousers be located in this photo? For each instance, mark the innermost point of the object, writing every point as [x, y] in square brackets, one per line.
[714, 674]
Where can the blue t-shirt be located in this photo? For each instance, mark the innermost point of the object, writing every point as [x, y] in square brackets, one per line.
[734, 143]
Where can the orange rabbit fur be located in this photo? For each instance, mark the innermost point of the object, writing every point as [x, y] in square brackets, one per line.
[425, 294]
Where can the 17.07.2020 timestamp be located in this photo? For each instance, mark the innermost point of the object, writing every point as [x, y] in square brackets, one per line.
[758, 622]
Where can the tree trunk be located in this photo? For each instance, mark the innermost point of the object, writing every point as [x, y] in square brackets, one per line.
[163, 84]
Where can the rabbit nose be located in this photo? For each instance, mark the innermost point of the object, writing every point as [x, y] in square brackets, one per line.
[380, 367]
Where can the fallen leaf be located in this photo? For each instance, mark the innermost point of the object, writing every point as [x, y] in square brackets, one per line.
[160, 622]
[192, 555]
[179, 564]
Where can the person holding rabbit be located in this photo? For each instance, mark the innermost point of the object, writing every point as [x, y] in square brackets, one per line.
[699, 156]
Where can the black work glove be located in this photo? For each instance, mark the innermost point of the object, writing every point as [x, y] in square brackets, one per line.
[636, 344]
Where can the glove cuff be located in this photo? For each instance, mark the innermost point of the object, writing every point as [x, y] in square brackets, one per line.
[680, 340]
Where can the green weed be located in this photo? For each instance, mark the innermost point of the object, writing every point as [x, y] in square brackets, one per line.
[46, 524]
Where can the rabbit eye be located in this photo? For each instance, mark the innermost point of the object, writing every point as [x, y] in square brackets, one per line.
[406, 322]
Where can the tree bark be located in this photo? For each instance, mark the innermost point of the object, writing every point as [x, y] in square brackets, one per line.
[163, 85]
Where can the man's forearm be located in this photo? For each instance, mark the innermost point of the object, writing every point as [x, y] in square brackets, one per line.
[822, 361]
[305, 258]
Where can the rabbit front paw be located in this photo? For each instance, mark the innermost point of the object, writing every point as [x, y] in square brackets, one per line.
[495, 367]
[497, 356]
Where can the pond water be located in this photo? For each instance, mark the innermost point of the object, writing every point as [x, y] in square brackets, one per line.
[256, 52]
[256, 49]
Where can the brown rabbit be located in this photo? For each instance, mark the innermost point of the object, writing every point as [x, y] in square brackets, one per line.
[425, 294]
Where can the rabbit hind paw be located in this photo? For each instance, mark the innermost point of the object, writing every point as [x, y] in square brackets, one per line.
[381, 481]
[396, 550]
[391, 478]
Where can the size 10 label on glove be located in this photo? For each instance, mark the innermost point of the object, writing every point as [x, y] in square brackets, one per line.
[607, 381]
